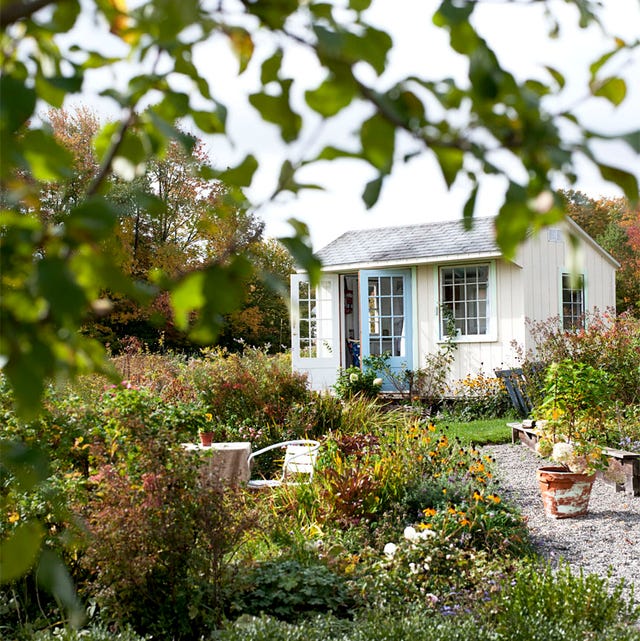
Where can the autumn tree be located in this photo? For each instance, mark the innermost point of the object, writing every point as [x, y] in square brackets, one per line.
[615, 225]
[263, 318]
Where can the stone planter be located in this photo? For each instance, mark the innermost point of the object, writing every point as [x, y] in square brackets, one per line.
[565, 494]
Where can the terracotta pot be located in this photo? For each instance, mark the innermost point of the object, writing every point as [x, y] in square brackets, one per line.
[565, 494]
[206, 438]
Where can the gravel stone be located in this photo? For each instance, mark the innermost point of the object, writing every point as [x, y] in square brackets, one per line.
[607, 539]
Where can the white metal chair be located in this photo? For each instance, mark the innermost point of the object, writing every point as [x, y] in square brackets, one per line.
[299, 461]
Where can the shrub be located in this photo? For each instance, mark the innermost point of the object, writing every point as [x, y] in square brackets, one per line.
[253, 386]
[288, 589]
[479, 397]
[354, 381]
[545, 599]
[96, 632]
[159, 538]
[609, 343]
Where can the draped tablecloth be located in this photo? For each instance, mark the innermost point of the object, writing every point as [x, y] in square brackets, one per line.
[226, 463]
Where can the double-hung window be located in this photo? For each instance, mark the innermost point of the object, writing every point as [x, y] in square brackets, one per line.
[464, 300]
[572, 301]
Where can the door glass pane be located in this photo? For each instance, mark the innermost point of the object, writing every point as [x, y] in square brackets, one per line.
[315, 318]
[386, 315]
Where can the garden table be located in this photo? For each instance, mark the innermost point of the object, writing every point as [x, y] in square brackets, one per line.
[226, 463]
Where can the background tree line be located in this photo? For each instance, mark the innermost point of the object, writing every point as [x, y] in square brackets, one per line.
[614, 224]
[174, 221]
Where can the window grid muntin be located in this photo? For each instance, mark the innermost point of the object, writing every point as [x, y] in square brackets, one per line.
[464, 294]
[572, 302]
[386, 315]
[315, 319]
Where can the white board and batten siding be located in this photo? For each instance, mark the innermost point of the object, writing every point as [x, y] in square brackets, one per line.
[546, 256]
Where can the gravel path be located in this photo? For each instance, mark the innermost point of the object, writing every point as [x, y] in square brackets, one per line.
[609, 535]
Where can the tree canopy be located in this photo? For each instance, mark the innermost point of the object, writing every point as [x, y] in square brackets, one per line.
[615, 225]
[54, 273]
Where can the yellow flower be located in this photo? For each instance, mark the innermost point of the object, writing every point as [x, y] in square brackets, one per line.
[477, 496]
[429, 511]
[431, 427]
[465, 522]
[208, 416]
[13, 517]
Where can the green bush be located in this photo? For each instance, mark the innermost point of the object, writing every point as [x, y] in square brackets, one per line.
[354, 381]
[540, 599]
[608, 343]
[92, 633]
[289, 589]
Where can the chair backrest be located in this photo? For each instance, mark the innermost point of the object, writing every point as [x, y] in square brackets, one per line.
[299, 459]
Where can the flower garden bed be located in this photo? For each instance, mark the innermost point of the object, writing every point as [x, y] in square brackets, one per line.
[630, 461]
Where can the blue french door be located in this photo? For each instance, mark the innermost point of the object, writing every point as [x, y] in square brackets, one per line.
[386, 308]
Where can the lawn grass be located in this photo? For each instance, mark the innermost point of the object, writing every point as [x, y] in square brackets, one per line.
[485, 432]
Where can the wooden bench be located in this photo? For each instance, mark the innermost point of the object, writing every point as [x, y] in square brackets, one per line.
[525, 433]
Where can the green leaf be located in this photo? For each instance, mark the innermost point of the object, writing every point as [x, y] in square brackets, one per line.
[48, 161]
[450, 160]
[512, 222]
[270, 70]
[93, 220]
[450, 13]
[299, 246]
[626, 181]
[17, 105]
[185, 297]
[372, 47]
[54, 577]
[377, 136]
[54, 90]
[241, 175]
[372, 191]
[359, 5]
[331, 153]
[28, 465]
[287, 182]
[613, 89]
[557, 76]
[632, 139]
[469, 209]
[332, 96]
[595, 66]
[58, 285]
[19, 551]
[277, 110]
[242, 45]
[211, 122]
[64, 16]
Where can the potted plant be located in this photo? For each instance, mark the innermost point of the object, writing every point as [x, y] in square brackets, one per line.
[206, 430]
[567, 425]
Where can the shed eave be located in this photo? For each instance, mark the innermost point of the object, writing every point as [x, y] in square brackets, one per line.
[410, 262]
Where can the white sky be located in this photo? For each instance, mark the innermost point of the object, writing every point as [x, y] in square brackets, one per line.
[416, 192]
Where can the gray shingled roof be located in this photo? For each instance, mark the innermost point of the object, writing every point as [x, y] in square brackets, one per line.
[410, 242]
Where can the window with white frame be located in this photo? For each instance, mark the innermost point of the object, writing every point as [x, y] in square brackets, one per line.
[572, 301]
[464, 299]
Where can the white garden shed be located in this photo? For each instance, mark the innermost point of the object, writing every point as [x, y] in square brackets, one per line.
[392, 289]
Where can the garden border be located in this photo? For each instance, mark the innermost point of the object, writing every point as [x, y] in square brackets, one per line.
[630, 461]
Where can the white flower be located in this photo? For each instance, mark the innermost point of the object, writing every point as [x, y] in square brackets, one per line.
[562, 453]
[353, 377]
[390, 550]
[377, 382]
[410, 534]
